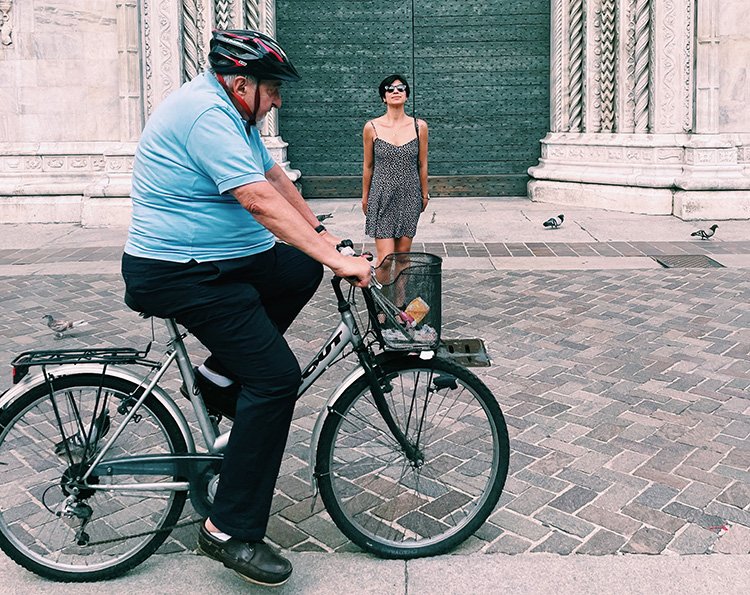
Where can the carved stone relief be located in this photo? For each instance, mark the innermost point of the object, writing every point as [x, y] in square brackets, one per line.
[592, 102]
[223, 14]
[559, 67]
[6, 26]
[625, 66]
[641, 60]
[193, 25]
[251, 14]
[577, 22]
[607, 66]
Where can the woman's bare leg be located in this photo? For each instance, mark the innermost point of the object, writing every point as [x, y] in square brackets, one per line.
[403, 244]
[384, 247]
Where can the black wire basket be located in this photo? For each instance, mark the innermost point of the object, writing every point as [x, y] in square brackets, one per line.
[407, 308]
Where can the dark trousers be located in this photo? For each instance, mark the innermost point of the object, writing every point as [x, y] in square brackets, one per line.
[239, 309]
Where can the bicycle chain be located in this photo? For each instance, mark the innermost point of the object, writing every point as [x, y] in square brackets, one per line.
[154, 532]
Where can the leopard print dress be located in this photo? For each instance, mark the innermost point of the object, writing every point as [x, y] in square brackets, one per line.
[395, 199]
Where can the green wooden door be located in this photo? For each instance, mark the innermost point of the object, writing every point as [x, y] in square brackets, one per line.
[482, 85]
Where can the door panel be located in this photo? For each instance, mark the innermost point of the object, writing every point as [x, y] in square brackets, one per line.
[482, 85]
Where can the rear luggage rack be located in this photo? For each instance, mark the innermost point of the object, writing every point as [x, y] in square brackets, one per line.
[58, 357]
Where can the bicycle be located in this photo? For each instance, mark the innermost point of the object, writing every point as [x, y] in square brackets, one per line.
[409, 454]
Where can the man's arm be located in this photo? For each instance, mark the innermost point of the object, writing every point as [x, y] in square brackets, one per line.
[282, 218]
[284, 186]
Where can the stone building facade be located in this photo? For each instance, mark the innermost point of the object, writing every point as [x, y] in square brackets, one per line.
[650, 107]
[649, 101]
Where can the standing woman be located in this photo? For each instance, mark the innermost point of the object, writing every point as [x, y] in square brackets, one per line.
[394, 179]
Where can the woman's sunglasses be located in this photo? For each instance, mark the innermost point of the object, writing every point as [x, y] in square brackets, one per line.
[392, 88]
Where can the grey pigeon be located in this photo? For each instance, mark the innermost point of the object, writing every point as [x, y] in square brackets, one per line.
[60, 326]
[554, 222]
[703, 234]
[322, 218]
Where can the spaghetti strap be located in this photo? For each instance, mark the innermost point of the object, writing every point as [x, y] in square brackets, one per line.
[373, 127]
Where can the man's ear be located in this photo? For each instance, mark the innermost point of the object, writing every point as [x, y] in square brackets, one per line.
[239, 85]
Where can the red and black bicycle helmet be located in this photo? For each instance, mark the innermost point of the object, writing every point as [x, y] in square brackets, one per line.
[244, 51]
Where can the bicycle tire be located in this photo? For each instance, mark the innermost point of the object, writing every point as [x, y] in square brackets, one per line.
[370, 489]
[34, 457]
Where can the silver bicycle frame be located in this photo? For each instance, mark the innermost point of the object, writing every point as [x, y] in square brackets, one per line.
[345, 334]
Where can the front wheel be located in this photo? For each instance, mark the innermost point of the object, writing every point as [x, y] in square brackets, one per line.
[396, 506]
[60, 526]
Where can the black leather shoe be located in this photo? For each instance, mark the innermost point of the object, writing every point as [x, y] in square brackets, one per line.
[255, 562]
[218, 399]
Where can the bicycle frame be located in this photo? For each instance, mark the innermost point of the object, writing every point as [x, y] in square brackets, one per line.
[193, 464]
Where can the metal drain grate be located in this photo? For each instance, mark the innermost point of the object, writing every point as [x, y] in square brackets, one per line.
[684, 261]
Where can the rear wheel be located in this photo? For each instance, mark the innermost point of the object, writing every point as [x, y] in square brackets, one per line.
[65, 529]
[395, 507]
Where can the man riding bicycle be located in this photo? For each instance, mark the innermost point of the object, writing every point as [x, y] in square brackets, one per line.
[207, 202]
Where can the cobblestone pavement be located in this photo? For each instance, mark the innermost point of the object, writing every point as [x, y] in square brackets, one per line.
[626, 394]
[26, 256]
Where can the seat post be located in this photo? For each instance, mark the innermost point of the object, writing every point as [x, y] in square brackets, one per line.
[186, 371]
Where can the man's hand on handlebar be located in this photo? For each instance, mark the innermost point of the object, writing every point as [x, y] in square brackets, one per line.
[353, 267]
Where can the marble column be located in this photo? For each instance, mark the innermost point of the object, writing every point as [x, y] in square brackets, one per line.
[270, 127]
[635, 110]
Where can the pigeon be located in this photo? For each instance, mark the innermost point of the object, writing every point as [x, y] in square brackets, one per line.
[60, 326]
[554, 222]
[703, 234]
[322, 218]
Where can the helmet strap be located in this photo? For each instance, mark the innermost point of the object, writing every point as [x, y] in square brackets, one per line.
[251, 114]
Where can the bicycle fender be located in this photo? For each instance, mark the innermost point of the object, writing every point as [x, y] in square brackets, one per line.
[355, 375]
[29, 382]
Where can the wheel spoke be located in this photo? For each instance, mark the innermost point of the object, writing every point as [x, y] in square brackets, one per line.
[387, 503]
[43, 515]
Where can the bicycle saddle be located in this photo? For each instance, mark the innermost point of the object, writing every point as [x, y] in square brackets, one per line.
[131, 303]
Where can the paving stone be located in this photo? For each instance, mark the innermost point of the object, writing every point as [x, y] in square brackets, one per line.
[602, 543]
[488, 532]
[309, 546]
[647, 541]
[737, 494]
[283, 533]
[699, 495]
[653, 517]
[558, 543]
[608, 519]
[586, 480]
[509, 544]
[530, 500]
[324, 531]
[552, 463]
[564, 522]
[710, 478]
[542, 481]
[573, 499]
[735, 540]
[518, 524]
[656, 496]
[729, 513]
[733, 473]
[693, 540]
[694, 515]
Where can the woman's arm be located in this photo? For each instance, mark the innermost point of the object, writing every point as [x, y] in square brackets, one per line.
[367, 164]
[423, 134]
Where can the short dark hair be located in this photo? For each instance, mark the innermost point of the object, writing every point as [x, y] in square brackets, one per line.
[389, 80]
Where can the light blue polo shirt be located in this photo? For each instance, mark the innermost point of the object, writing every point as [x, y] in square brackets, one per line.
[193, 151]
